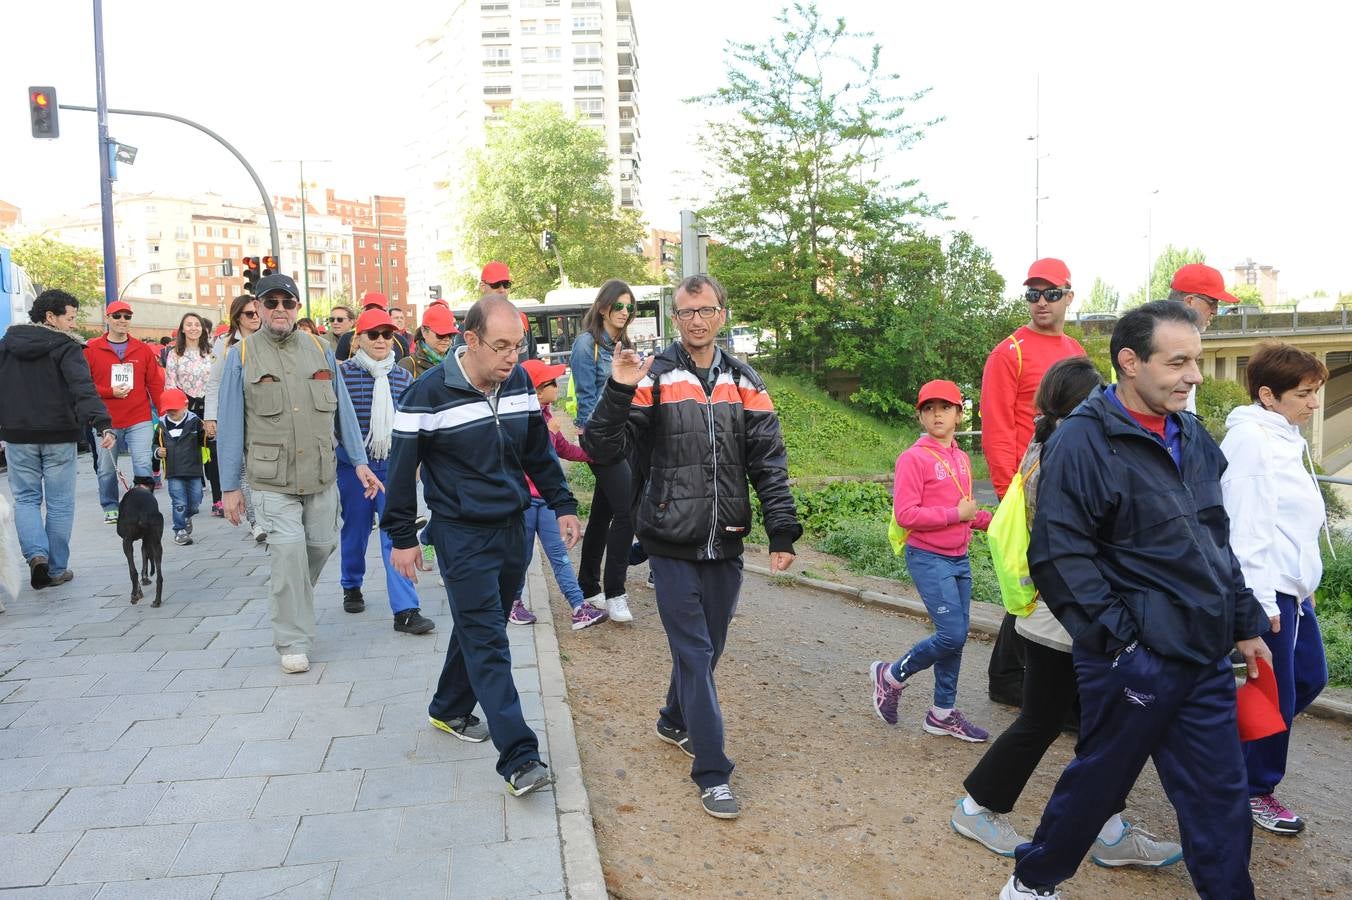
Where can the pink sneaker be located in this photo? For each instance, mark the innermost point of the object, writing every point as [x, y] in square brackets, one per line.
[956, 725]
[520, 615]
[885, 694]
[585, 616]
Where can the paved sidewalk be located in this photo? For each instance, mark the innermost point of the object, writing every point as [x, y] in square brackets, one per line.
[162, 753]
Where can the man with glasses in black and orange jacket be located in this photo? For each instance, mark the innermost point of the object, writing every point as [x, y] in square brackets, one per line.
[281, 405]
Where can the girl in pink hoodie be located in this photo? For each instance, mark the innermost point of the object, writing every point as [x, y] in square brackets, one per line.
[932, 499]
[540, 519]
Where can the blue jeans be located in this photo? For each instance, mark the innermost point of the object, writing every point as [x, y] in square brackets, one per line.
[542, 521]
[356, 532]
[186, 494]
[136, 440]
[1302, 673]
[39, 472]
[945, 585]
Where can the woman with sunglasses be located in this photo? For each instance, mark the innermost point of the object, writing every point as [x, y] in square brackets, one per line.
[434, 341]
[188, 368]
[244, 321]
[610, 532]
[375, 385]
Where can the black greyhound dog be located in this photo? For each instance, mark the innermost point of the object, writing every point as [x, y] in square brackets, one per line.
[139, 519]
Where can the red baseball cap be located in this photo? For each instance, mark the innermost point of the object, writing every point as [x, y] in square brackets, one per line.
[1259, 714]
[116, 306]
[1050, 270]
[939, 390]
[376, 299]
[221, 329]
[495, 271]
[1196, 278]
[372, 319]
[173, 399]
[440, 319]
[541, 372]
[439, 302]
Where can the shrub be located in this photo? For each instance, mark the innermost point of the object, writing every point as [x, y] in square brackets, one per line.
[1215, 400]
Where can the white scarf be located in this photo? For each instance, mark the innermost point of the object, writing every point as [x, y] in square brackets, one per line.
[379, 437]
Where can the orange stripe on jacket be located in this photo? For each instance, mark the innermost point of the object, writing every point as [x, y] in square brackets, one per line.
[756, 400]
[643, 397]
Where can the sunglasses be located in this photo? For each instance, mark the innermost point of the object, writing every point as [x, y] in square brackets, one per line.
[249, 314]
[121, 316]
[445, 337]
[624, 307]
[500, 284]
[287, 303]
[334, 320]
[380, 335]
[541, 387]
[1051, 295]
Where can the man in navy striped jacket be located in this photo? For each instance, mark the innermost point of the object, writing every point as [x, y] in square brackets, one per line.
[473, 423]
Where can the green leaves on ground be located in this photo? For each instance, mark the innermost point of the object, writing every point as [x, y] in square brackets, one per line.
[541, 169]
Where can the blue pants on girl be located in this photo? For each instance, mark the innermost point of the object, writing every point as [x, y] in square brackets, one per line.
[945, 585]
[542, 521]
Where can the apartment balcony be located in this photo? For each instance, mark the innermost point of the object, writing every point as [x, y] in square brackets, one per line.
[630, 126]
[628, 77]
[630, 152]
[628, 100]
[497, 90]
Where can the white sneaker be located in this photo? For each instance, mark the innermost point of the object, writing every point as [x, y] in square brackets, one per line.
[259, 535]
[597, 602]
[295, 663]
[1017, 890]
[619, 609]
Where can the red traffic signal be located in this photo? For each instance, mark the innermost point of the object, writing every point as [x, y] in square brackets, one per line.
[42, 111]
[251, 273]
[270, 265]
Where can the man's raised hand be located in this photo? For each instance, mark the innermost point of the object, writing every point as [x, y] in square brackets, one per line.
[627, 367]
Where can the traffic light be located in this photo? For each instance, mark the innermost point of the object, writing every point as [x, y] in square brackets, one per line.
[251, 273]
[227, 268]
[547, 241]
[434, 291]
[42, 110]
[270, 265]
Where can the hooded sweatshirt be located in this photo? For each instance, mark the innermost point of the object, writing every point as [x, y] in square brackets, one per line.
[1274, 505]
[51, 396]
[925, 497]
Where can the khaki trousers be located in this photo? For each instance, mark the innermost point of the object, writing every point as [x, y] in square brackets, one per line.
[302, 535]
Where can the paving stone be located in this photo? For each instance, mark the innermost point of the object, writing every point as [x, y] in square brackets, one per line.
[370, 751]
[30, 859]
[44, 668]
[55, 688]
[124, 644]
[228, 846]
[120, 662]
[262, 726]
[535, 815]
[115, 683]
[208, 680]
[106, 806]
[62, 712]
[510, 869]
[422, 665]
[75, 738]
[477, 778]
[176, 625]
[388, 690]
[193, 887]
[196, 640]
[207, 801]
[11, 711]
[54, 892]
[272, 675]
[408, 715]
[339, 836]
[87, 769]
[194, 659]
[293, 757]
[343, 722]
[205, 760]
[9, 687]
[369, 669]
[302, 697]
[252, 657]
[440, 826]
[122, 854]
[437, 746]
[244, 637]
[407, 785]
[141, 707]
[166, 732]
[415, 877]
[23, 810]
[312, 882]
[16, 773]
[303, 795]
[228, 702]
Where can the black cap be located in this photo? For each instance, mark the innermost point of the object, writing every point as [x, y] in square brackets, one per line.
[276, 282]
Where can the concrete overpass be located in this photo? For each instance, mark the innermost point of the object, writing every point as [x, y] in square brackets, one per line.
[1230, 340]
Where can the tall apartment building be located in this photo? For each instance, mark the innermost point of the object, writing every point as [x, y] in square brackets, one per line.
[378, 248]
[1260, 276]
[487, 55]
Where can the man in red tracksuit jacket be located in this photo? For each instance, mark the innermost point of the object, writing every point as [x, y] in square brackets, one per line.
[128, 377]
[1009, 382]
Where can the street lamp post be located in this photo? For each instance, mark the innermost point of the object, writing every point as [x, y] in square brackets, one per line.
[304, 238]
[1149, 240]
[1038, 157]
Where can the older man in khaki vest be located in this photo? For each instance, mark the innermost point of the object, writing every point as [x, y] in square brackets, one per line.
[281, 402]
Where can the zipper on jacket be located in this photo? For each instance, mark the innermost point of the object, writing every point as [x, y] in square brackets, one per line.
[713, 451]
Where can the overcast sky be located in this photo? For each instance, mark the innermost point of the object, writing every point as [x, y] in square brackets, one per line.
[1234, 112]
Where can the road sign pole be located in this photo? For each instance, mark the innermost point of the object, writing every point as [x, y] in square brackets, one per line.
[105, 163]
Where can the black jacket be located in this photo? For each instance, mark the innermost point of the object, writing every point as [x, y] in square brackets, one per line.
[182, 444]
[46, 393]
[694, 448]
[1124, 547]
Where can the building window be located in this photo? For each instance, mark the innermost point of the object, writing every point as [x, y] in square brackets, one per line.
[553, 26]
[530, 82]
[497, 56]
[496, 28]
[185, 295]
[586, 53]
[204, 290]
[154, 267]
[590, 109]
[361, 242]
[155, 290]
[201, 249]
[588, 80]
[361, 260]
[586, 24]
[529, 27]
[530, 54]
[553, 54]
[394, 263]
[493, 6]
[220, 290]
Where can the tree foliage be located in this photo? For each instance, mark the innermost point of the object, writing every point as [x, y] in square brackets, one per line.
[1103, 298]
[543, 170]
[1169, 261]
[55, 264]
[1248, 294]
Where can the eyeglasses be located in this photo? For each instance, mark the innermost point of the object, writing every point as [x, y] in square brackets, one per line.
[541, 387]
[334, 320]
[287, 303]
[1051, 295]
[507, 350]
[121, 316]
[249, 314]
[380, 335]
[444, 337]
[705, 312]
[624, 307]
[500, 285]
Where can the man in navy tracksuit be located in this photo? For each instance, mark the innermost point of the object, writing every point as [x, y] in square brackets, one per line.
[1130, 551]
[473, 423]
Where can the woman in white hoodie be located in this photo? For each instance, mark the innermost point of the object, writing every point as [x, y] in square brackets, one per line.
[1276, 513]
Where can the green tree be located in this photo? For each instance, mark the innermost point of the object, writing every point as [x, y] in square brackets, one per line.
[812, 242]
[1170, 260]
[1103, 298]
[55, 264]
[1248, 294]
[543, 170]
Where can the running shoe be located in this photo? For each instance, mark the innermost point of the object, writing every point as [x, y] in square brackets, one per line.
[520, 615]
[1136, 847]
[532, 776]
[412, 621]
[110, 517]
[720, 802]
[956, 725]
[218, 510]
[676, 737]
[990, 829]
[181, 537]
[467, 728]
[586, 616]
[885, 695]
[1016, 890]
[618, 607]
[1271, 815]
